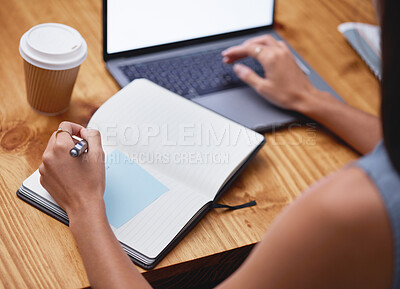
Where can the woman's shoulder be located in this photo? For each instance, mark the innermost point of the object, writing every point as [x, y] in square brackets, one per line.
[348, 194]
[349, 203]
[335, 235]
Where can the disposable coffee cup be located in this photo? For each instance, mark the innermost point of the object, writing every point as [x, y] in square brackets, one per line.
[52, 56]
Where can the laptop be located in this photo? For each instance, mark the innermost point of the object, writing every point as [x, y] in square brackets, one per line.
[178, 43]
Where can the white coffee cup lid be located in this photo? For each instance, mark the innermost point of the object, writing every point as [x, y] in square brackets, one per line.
[53, 46]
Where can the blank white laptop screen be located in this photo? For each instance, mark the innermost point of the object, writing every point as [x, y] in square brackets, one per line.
[134, 24]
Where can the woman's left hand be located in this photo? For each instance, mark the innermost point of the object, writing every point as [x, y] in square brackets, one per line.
[76, 184]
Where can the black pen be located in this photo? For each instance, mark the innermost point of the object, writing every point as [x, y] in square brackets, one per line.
[81, 147]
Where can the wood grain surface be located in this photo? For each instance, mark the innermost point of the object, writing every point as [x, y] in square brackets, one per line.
[36, 251]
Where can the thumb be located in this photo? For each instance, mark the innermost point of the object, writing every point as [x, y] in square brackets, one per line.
[248, 75]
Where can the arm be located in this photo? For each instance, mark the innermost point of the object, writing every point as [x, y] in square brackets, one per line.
[77, 185]
[326, 239]
[107, 265]
[336, 235]
[286, 86]
[359, 129]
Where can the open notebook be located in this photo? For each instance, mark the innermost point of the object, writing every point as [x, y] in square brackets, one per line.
[167, 162]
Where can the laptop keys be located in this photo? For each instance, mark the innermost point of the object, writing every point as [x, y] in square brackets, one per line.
[192, 75]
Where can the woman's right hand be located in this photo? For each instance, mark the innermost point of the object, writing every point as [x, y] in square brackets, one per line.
[76, 184]
[284, 84]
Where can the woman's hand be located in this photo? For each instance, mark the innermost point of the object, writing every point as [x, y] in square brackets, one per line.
[284, 83]
[288, 87]
[76, 184]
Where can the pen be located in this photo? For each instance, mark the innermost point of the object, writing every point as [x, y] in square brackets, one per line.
[80, 148]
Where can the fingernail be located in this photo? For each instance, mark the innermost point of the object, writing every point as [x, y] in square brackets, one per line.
[225, 52]
[225, 59]
[240, 69]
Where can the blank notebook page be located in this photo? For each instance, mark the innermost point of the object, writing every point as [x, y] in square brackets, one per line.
[143, 106]
[153, 228]
[145, 119]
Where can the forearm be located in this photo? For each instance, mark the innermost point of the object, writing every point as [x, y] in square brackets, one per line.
[360, 130]
[106, 263]
[286, 86]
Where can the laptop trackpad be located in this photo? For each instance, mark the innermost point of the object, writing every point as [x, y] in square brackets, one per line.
[246, 107]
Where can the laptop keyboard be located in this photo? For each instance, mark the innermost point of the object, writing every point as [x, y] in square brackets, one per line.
[192, 75]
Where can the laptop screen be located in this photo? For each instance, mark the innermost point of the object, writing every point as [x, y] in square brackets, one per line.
[137, 24]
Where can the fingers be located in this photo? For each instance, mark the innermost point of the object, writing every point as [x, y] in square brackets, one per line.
[237, 52]
[249, 76]
[93, 138]
[64, 139]
[248, 48]
[282, 44]
[63, 142]
[263, 40]
[233, 54]
[74, 128]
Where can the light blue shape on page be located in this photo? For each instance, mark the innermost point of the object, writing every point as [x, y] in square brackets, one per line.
[129, 188]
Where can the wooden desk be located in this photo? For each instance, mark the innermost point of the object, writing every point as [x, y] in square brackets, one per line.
[37, 251]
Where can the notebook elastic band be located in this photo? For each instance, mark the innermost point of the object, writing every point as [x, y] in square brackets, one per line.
[246, 205]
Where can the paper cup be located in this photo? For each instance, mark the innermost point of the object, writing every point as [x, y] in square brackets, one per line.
[52, 56]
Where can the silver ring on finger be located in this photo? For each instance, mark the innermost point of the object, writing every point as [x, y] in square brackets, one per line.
[257, 51]
[62, 130]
